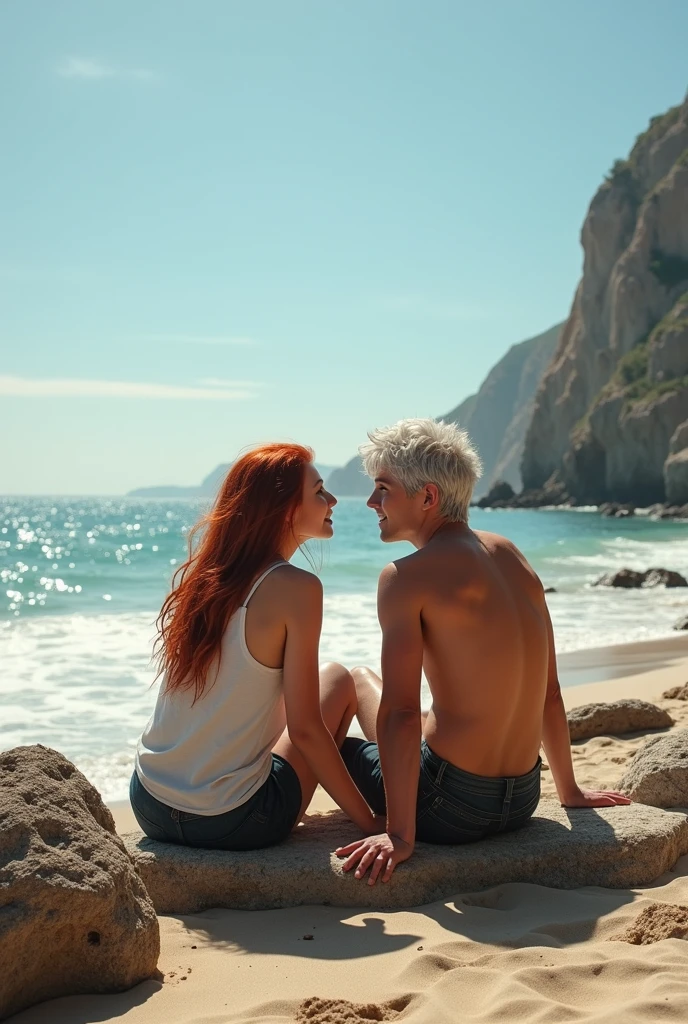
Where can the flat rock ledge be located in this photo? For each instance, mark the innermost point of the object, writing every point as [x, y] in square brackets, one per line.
[616, 847]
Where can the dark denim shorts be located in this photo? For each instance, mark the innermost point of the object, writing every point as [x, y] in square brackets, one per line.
[453, 806]
[265, 819]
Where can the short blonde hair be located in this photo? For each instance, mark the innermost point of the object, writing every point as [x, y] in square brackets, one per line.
[423, 451]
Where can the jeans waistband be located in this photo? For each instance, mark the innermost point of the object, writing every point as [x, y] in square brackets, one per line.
[445, 772]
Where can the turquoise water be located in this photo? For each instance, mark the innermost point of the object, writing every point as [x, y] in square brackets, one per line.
[82, 581]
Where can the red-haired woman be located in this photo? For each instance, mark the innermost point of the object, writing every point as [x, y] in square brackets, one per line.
[245, 724]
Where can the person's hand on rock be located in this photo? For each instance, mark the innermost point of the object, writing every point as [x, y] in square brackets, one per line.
[595, 798]
[380, 853]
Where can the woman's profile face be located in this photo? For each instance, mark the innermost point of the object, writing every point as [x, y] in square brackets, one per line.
[313, 518]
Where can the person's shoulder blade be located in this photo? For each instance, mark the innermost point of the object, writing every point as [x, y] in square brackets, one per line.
[506, 553]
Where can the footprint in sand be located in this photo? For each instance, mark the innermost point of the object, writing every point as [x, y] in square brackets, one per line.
[175, 977]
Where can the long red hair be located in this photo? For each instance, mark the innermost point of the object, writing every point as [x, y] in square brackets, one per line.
[239, 536]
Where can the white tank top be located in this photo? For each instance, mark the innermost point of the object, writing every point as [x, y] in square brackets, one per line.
[212, 756]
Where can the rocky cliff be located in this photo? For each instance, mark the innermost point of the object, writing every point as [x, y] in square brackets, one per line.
[496, 417]
[349, 480]
[617, 388]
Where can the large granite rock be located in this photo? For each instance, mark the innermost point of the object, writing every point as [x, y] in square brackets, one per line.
[658, 774]
[616, 718]
[615, 390]
[613, 846]
[74, 914]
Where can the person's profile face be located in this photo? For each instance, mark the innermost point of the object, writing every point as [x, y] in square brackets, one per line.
[396, 512]
[313, 517]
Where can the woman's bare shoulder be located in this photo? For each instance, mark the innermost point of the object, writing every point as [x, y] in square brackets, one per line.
[289, 578]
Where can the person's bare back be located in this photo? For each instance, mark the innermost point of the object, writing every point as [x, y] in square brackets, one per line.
[485, 651]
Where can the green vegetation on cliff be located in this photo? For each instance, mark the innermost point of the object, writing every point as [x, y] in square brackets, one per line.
[631, 378]
[624, 174]
[675, 320]
[657, 127]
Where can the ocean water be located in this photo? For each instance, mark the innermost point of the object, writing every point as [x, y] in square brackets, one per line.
[83, 580]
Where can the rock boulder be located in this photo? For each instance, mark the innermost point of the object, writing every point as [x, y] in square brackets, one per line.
[616, 510]
[616, 718]
[658, 774]
[501, 491]
[673, 512]
[626, 578]
[677, 692]
[664, 578]
[632, 578]
[620, 847]
[74, 914]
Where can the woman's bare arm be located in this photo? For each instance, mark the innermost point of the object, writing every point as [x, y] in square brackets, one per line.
[305, 725]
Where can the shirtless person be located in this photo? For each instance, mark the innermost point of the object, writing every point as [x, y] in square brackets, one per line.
[468, 609]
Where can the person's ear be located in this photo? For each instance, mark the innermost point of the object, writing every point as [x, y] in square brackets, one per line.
[431, 496]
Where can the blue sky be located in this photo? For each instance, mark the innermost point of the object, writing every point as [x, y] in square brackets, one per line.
[227, 222]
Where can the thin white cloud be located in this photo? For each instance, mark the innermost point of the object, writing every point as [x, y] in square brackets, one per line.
[95, 70]
[65, 387]
[435, 309]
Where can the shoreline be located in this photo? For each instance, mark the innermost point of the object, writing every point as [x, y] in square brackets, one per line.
[611, 663]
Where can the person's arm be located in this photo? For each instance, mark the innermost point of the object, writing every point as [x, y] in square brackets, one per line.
[398, 731]
[301, 682]
[557, 742]
[399, 721]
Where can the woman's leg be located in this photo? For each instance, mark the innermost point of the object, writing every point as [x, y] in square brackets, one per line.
[368, 692]
[338, 706]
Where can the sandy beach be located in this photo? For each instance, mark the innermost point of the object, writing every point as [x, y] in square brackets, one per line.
[513, 952]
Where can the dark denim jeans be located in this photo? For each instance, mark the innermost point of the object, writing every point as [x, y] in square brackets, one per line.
[453, 806]
[265, 819]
